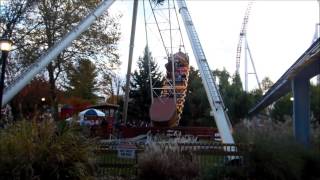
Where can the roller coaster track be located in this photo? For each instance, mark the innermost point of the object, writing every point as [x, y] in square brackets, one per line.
[213, 94]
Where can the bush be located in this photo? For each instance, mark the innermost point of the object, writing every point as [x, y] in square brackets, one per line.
[225, 172]
[44, 150]
[159, 163]
[276, 154]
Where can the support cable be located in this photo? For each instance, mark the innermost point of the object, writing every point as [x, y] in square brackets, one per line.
[148, 55]
[172, 58]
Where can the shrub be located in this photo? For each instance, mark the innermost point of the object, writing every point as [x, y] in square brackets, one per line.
[276, 154]
[159, 162]
[44, 150]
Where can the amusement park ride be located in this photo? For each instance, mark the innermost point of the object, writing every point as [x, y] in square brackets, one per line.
[166, 108]
[243, 40]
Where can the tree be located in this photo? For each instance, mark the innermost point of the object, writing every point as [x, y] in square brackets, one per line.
[12, 13]
[28, 101]
[315, 103]
[140, 87]
[266, 84]
[196, 110]
[282, 108]
[110, 86]
[237, 101]
[222, 78]
[49, 22]
[82, 81]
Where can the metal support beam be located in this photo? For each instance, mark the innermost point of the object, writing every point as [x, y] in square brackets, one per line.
[252, 63]
[218, 109]
[133, 31]
[301, 109]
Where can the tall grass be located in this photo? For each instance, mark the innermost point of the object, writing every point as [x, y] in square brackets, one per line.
[277, 155]
[167, 162]
[30, 150]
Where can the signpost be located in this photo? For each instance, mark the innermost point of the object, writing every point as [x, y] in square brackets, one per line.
[126, 151]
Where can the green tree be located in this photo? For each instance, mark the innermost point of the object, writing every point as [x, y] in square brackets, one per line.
[196, 110]
[82, 80]
[282, 108]
[266, 83]
[236, 100]
[140, 87]
[315, 103]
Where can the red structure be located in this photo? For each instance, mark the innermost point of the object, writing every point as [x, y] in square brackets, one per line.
[67, 111]
[165, 111]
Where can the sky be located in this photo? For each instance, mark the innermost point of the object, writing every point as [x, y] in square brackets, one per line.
[278, 33]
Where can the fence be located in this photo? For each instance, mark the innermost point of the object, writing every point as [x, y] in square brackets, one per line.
[207, 155]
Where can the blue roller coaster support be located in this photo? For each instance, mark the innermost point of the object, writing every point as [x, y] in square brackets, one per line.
[301, 109]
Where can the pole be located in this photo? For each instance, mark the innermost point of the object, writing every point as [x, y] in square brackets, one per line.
[245, 64]
[148, 55]
[3, 68]
[133, 31]
[172, 60]
[253, 66]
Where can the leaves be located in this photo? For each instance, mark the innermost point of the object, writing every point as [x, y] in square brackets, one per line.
[197, 109]
[82, 80]
[140, 92]
[237, 101]
[32, 150]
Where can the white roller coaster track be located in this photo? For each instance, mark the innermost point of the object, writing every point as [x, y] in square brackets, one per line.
[214, 97]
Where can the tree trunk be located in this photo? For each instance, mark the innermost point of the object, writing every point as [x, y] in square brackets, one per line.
[53, 93]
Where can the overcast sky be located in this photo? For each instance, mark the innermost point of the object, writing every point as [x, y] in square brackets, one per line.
[278, 33]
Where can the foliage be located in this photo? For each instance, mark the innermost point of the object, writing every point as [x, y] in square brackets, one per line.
[31, 150]
[237, 101]
[225, 172]
[160, 163]
[266, 84]
[13, 13]
[196, 110]
[77, 103]
[140, 87]
[275, 153]
[110, 86]
[282, 108]
[28, 99]
[315, 103]
[82, 80]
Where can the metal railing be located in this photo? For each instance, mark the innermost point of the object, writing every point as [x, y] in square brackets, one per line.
[207, 155]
